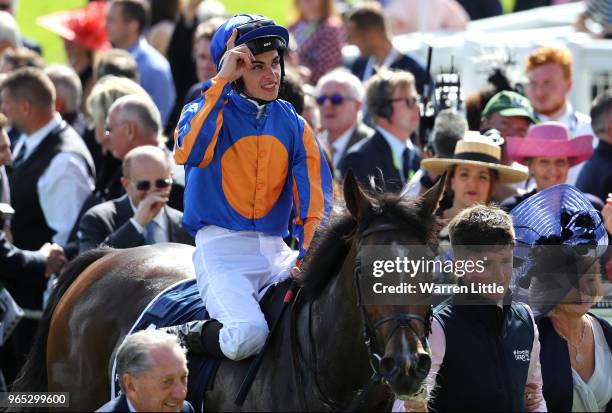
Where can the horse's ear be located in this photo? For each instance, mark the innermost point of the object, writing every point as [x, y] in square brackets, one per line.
[356, 200]
[431, 199]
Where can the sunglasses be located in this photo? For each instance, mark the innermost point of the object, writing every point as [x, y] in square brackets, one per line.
[159, 184]
[410, 102]
[335, 99]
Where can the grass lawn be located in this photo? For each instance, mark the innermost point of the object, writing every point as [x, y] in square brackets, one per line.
[28, 10]
[53, 47]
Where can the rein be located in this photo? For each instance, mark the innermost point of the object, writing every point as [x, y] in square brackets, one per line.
[369, 336]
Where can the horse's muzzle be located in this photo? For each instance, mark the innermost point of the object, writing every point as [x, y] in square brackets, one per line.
[405, 374]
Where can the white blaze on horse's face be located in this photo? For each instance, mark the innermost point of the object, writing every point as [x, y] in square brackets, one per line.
[163, 388]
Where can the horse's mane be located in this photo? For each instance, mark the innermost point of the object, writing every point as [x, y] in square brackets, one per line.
[332, 242]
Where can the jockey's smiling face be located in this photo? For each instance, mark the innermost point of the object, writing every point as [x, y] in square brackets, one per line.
[262, 81]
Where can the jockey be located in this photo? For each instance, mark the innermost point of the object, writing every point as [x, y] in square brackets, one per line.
[250, 160]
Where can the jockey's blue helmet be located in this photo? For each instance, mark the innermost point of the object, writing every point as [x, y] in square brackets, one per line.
[259, 33]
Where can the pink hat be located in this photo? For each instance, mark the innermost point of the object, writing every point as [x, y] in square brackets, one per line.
[550, 140]
[83, 26]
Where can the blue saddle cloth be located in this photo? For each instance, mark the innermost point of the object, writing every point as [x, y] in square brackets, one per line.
[179, 304]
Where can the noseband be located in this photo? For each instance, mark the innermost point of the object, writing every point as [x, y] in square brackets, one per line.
[399, 320]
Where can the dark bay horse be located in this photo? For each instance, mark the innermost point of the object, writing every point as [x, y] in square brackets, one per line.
[318, 358]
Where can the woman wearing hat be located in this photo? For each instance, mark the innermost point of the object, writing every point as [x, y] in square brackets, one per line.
[473, 171]
[84, 34]
[560, 238]
[549, 152]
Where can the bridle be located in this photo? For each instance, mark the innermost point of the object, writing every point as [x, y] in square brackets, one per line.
[399, 320]
[369, 333]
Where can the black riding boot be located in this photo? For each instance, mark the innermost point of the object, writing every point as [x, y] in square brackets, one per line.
[199, 337]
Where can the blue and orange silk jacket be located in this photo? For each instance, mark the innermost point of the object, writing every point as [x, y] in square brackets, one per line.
[247, 167]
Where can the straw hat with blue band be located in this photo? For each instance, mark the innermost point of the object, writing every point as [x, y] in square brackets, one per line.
[479, 150]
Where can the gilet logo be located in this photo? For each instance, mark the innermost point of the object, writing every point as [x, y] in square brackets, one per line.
[522, 355]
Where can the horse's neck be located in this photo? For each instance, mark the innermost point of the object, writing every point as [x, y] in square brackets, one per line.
[335, 349]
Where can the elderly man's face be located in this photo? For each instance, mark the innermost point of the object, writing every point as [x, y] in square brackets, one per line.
[5, 148]
[119, 134]
[338, 108]
[156, 172]
[547, 88]
[162, 388]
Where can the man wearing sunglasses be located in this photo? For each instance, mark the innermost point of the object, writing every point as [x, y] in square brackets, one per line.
[141, 216]
[389, 156]
[339, 96]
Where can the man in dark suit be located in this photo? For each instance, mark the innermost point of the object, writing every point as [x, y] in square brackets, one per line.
[152, 370]
[340, 96]
[24, 264]
[596, 174]
[141, 216]
[52, 175]
[389, 155]
[132, 121]
[368, 29]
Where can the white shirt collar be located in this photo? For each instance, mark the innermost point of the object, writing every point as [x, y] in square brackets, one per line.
[564, 118]
[397, 146]
[32, 141]
[340, 144]
[130, 405]
[367, 72]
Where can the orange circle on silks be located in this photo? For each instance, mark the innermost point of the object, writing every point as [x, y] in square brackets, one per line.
[253, 174]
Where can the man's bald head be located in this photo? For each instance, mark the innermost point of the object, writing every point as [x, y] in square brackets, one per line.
[141, 157]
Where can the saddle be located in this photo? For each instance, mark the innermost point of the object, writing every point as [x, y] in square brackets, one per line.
[181, 303]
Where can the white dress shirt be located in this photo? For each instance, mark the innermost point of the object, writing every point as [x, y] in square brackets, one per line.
[594, 394]
[397, 150]
[64, 185]
[339, 146]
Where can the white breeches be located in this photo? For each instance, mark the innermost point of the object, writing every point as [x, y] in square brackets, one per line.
[232, 267]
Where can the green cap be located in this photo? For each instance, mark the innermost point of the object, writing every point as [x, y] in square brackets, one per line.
[508, 103]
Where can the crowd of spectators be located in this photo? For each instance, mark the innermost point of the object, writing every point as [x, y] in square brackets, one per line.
[86, 147]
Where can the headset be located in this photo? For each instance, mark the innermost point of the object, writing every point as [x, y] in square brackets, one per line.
[383, 107]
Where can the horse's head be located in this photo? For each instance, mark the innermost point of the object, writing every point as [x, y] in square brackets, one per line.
[396, 335]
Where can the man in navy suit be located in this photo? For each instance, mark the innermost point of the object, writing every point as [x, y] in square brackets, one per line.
[389, 156]
[152, 367]
[368, 29]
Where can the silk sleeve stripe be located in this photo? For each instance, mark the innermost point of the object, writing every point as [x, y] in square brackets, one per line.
[193, 132]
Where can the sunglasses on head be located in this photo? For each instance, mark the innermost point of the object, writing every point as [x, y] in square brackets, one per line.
[159, 184]
[335, 99]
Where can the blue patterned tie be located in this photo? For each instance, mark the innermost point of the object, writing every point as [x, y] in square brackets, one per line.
[153, 233]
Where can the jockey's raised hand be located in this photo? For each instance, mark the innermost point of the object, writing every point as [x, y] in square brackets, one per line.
[236, 60]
